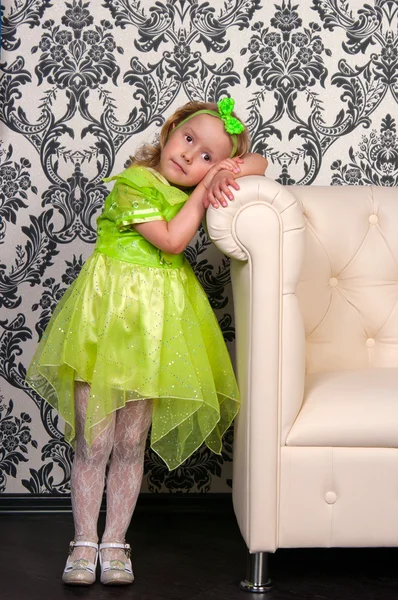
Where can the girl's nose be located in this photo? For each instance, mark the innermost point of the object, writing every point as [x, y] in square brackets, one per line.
[187, 157]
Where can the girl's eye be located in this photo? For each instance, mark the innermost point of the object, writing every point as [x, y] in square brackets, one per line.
[189, 138]
[206, 157]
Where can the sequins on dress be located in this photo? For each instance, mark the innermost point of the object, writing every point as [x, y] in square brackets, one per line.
[136, 324]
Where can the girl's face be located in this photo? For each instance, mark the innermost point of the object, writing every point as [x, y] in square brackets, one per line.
[193, 149]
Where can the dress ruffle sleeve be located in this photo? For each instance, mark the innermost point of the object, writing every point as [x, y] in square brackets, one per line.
[130, 204]
[141, 195]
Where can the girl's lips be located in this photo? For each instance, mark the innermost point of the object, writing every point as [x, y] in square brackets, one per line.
[179, 167]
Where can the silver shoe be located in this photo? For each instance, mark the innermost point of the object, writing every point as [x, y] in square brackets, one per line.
[80, 571]
[116, 572]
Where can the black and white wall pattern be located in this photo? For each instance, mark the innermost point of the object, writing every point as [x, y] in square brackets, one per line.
[83, 83]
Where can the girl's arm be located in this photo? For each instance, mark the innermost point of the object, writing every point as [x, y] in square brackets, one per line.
[220, 186]
[174, 236]
[253, 164]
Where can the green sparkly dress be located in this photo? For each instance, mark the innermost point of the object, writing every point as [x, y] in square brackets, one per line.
[136, 324]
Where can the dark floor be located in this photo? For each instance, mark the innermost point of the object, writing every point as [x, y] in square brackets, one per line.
[182, 556]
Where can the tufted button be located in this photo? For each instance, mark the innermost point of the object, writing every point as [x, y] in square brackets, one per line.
[330, 497]
[373, 219]
[333, 282]
[370, 342]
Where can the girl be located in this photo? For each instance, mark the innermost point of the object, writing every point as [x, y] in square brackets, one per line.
[134, 341]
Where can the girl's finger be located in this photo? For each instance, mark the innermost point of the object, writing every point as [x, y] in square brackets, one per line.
[232, 165]
[232, 182]
[213, 201]
[222, 197]
[227, 191]
[236, 167]
[238, 161]
[217, 193]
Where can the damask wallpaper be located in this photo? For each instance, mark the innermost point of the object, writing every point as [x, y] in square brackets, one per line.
[84, 83]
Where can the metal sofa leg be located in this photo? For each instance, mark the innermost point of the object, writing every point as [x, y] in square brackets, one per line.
[257, 578]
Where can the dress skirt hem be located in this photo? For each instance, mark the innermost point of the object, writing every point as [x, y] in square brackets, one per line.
[140, 333]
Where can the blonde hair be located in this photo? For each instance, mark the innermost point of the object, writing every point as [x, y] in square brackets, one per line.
[148, 155]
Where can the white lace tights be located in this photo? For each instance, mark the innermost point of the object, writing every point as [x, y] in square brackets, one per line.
[124, 441]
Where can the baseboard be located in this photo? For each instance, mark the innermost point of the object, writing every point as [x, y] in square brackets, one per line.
[31, 503]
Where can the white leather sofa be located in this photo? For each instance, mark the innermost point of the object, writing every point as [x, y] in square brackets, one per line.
[315, 283]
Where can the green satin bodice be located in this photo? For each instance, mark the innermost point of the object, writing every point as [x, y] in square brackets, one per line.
[140, 195]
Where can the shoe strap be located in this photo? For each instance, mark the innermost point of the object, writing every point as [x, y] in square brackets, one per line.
[114, 545]
[74, 544]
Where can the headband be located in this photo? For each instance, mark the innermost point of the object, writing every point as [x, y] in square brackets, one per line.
[232, 125]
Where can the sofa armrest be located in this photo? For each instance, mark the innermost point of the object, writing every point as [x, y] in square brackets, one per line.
[262, 230]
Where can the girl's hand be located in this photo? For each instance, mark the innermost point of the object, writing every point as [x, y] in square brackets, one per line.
[229, 164]
[220, 189]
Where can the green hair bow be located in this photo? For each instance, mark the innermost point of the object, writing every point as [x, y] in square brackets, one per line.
[232, 125]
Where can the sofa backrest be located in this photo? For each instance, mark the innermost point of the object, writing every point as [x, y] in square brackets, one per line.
[348, 291]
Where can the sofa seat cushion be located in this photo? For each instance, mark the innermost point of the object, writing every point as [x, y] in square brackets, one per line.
[348, 409]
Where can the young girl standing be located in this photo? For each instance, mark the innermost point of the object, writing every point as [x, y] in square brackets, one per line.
[134, 341]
